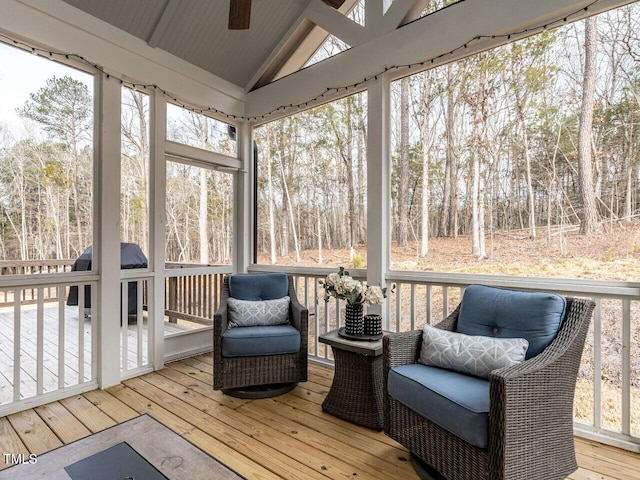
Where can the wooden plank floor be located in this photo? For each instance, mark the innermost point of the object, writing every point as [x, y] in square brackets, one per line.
[287, 437]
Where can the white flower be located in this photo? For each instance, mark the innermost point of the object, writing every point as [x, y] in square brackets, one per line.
[345, 285]
[374, 296]
[332, 279]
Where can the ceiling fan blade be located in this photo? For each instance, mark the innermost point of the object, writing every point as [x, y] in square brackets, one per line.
[334, 3]
[239, 14]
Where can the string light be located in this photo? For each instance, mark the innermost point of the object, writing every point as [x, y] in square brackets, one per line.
[318, 98]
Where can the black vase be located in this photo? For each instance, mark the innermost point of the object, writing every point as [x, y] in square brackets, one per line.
[372, 325]
[354, 321]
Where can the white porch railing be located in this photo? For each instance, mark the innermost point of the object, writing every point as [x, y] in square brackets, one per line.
[46, 346]
[608, 393]
[136, 325]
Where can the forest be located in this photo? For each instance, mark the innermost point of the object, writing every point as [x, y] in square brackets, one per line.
[46, 208]
[537, 136]
[534, 138]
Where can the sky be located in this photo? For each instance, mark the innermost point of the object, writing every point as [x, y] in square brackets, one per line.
[22, 73]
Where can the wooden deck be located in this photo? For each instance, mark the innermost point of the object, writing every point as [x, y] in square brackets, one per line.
[287, 437]
[50, 325]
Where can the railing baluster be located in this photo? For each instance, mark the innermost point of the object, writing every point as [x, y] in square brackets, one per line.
[597, 363]
[81, 307]
[139, 323]
[94, 336]
[429, 305]
[626, 366]
[17, 347]
[124, 326]
[399, 308]
[61, 335]
[40, 343]
[445, 301]
[412, 318]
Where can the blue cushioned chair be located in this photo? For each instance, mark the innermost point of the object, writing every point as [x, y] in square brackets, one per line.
[259, 361]
[517, 424]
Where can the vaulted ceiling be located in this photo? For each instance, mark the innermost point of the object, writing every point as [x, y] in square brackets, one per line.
[187, 48]
[283, 34]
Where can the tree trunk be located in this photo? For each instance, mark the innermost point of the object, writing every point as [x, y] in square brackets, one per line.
[530, 197]
[424, 178]
[452, 161]
[272, 223]
[521, 103]
[203, 223]
[403, 187]
[362, 192]
[203, 218]
[285, 190]
[424, 216]
[589, 213]
[475, 213]
[348, 158]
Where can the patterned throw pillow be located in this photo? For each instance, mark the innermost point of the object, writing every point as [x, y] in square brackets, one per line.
[471, 354]
[252, 313]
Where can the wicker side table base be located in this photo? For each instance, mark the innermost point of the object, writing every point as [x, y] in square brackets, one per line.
[356, 391]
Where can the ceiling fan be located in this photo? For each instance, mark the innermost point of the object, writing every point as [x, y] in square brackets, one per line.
[240, 12]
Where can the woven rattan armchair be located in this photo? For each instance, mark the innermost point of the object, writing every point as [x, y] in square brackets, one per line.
[259, 376]
[530, 411]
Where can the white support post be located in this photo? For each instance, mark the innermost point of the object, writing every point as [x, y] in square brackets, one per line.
[158, 219]
[243, 205]
[378, 188]
[106, 248]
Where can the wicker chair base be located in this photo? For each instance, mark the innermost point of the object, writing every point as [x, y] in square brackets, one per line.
[424, 471]
[260, 391]
[448, 454]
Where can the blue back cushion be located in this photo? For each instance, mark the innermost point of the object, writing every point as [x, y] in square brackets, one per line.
[495, 312]
[262, 286]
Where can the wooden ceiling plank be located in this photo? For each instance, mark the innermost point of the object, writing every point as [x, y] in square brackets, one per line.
[163, 24]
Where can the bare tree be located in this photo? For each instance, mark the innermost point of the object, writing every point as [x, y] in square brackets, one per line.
[589, 214]
[63, 107]
[403, 187]
[449, 216]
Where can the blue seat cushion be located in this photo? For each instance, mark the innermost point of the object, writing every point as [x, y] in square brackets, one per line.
[496, 312]
[457, 402]
[262, 286]
[263, 340]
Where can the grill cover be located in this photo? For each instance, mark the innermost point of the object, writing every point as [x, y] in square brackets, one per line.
[131, 256]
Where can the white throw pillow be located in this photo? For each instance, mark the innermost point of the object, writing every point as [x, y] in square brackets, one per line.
[252, 313]
[471, 354]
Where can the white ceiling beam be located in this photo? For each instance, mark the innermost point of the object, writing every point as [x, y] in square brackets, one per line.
[395, 14]
[415, 12]
[374, 11]
[163, 24]
[336, 23]
[284, 47]
[436, 34]
[294, 50]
